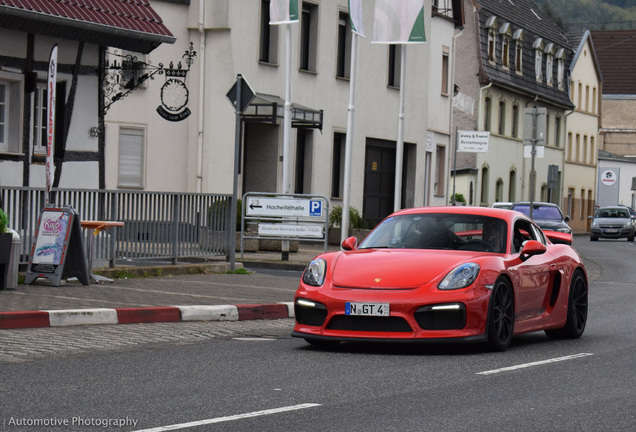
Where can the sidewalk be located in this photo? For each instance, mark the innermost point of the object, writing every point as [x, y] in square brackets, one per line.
[189, 291]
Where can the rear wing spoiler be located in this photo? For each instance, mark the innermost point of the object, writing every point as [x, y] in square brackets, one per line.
[559, 237]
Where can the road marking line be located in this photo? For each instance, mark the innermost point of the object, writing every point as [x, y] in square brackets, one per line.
[231, 418]
[537, 363]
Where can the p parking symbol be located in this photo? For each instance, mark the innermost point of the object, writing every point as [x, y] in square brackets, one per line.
[315, 208]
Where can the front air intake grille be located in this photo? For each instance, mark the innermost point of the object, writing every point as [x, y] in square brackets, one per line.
[441, 317]
[370, 324]
[313, 316]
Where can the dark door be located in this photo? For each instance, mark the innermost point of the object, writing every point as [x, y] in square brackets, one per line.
[379, 183]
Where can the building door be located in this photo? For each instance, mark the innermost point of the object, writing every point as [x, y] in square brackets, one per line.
[379, 182]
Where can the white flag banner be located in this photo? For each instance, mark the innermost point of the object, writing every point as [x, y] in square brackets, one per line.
[355, 16]
[399, 22]
[50, 120]
[283, 11]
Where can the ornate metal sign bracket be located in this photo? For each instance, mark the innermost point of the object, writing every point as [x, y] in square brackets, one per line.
[128, 73]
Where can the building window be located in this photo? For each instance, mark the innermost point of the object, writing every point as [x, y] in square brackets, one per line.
[584, 156]
[548, 70]
[445, 71]
[11, 112]
[538, 61]
[582, 204]
[395, 65]
[39, 118]
[309, 37]
[505, 52]
[338, 161]
[557, 131]
[570, 145]
[343, 63]
[515, 121]
[487, 108]
[499, 186]
[440, 159]
[577, 150]
[580, 97]
[560, 56]
[268, 50]
[484, 185]
[512, 186]
[502, 118]
[491, 45]
[519, 57]
[131, 157]
[594, 100]
[592, 151]
[587, 98]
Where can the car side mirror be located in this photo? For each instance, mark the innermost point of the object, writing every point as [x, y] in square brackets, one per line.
[567, 218]
[350, 243]
[531, 248]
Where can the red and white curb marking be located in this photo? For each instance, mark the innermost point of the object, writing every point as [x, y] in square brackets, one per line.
[73, 317]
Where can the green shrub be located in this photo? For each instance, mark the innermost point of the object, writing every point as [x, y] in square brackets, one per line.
[335, 218]
[458, 198]
[4, 222]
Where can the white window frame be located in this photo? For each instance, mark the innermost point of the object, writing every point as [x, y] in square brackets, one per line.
[39, 104]
[12, 112]
[343, 49]
[131, 163]
[309, 37]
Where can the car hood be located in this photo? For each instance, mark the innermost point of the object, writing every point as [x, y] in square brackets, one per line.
[393, 269]
[550, 224]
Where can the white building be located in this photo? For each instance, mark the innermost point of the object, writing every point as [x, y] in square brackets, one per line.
[29, 29]
[196, 153]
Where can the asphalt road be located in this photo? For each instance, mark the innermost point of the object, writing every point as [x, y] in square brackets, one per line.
[252, 376]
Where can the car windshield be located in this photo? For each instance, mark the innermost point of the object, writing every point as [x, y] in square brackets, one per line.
[613, 213]
[540, 211]
[440, 231]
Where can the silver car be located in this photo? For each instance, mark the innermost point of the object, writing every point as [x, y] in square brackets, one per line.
[612, 222]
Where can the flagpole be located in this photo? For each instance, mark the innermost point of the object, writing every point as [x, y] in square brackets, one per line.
[346, 202]
[287, 121]
[399, 149]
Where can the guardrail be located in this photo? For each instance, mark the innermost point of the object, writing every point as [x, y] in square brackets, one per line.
[156, 224]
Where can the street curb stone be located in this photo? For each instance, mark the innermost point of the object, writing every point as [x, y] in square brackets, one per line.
[75, 317]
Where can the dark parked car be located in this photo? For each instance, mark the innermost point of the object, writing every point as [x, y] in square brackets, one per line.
[547, 215]
[612, 222]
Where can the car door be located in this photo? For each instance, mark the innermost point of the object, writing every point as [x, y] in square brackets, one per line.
[533, 276]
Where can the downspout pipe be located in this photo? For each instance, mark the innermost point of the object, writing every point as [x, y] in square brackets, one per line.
[200, 135]
[480, 122]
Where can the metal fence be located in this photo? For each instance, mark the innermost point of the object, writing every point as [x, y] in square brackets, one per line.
[156, 224]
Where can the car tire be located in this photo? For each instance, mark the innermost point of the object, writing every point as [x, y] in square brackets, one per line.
[593, 238]
[501, 316]
[630, 237]
[577, 310]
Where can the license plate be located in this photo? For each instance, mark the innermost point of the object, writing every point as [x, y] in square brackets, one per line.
[367, 309]
[611, 231]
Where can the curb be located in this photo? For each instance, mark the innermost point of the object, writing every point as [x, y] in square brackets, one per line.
[75, 317]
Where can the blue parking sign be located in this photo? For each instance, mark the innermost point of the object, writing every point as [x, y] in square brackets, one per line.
[315, 208]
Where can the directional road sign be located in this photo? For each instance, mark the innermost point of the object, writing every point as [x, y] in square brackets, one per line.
[284, 207]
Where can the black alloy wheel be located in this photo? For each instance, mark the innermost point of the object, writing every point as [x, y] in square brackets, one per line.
[577, 310]
[501, 316]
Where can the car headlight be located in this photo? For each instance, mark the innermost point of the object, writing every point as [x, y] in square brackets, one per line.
[314, 274]
[627, 225]
[565, 230]
[460, 277]
[594, 224]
